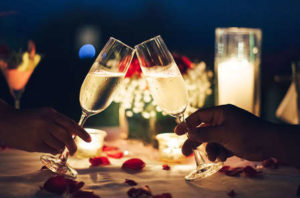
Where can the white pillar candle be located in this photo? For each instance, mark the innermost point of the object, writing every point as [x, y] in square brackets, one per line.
[236, 83]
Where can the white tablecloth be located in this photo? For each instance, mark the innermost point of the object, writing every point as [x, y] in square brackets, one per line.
[20, 176]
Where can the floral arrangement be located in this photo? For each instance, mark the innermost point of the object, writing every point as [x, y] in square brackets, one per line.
[135, 96]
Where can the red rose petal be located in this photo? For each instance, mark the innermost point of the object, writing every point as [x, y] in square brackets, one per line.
[109, 148]
[115, 154]
[166, 167]
[139, 192]
[97, 161]
[84, 194]
[133, 164]
[60, 184]
[232, 193]
[164, 195]
[251, 172]
[235, 172]
[130, 182]
[224, 169]
[270, 163]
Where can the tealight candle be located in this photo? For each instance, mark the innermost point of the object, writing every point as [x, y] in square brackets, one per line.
[93, 148]
[169, 146]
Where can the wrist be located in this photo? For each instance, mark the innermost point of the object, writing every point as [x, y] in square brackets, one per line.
[271, 140]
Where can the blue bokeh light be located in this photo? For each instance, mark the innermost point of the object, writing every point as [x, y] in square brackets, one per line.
[87, 51]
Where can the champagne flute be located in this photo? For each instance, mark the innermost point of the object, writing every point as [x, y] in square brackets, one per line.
[169, 92]
[96, 93]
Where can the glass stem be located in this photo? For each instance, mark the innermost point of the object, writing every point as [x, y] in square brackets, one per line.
[17, 94]
[198, 158]
[17, 103]
[65, 154]
[83, 118]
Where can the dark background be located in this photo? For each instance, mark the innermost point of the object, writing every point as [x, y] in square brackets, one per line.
[186, 26]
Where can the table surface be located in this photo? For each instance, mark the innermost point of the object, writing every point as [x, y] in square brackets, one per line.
[20, 176]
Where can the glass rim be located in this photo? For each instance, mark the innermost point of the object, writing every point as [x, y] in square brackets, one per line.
[117, 40]
[94, 131]
[238, 30]
[147, 41]
[172, 135]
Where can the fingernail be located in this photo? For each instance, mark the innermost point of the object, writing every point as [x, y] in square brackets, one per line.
[89, 138]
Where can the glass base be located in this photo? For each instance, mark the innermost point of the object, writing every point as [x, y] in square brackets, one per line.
[56, 165]
[204, 171]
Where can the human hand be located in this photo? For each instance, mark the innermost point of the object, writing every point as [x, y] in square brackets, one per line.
[39, 130]
[228, 130]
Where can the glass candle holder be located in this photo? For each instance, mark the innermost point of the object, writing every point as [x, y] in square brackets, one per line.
[93, 148]
[169, 147]
[237, 67]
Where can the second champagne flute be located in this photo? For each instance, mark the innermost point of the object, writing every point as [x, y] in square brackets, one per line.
[169, 92]
[96, 93]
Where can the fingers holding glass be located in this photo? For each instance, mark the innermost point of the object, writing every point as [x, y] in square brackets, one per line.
[96, 94]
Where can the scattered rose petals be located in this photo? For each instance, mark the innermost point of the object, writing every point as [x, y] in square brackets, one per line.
[109, 148]
[298, 191]
[235, 172]
[270, 163]
[97, 161]
[60, 184]
[115, 154]
[164, 195]
[232, 193]
[139, 192]
[166, 167]
[130, 182]
[133, 164]
[251, 172]
[85, 194]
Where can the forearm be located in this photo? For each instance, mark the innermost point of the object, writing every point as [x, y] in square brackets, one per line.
[285, 144]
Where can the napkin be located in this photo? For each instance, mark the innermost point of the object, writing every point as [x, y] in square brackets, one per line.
[287, 110]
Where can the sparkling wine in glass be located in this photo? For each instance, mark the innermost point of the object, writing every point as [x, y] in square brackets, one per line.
[17, 72]
[169, 92]
[96, 93]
